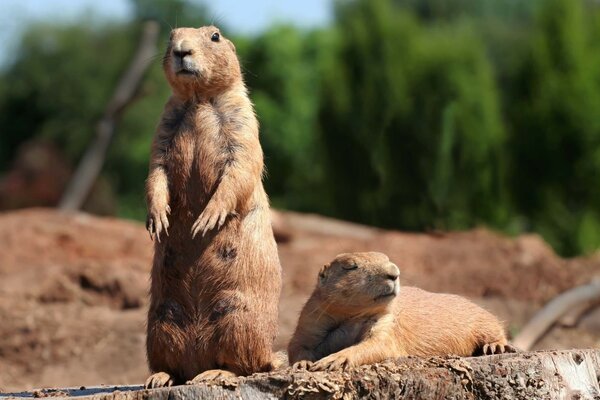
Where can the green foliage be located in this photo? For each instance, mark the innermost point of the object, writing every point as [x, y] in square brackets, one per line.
[555, 141]
[419, 113]
[58, 88]
[281, 70]
[173, 13]
[442, 114]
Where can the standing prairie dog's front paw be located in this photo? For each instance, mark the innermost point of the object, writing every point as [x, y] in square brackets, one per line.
[333, 362]
[213, 216]
[157, 220]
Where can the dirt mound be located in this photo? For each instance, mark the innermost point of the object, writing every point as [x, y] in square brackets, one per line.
[73, 287]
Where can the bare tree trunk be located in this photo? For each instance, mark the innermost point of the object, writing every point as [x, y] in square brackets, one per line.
[91, 164]
[537, 375]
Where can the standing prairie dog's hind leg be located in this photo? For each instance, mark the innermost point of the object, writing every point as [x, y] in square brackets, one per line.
[158, 380]
[211, 375]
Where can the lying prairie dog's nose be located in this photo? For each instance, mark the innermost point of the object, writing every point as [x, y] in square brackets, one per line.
[393, 272]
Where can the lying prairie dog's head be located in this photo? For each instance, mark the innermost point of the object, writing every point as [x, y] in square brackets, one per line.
[359, 282]
[200, 60]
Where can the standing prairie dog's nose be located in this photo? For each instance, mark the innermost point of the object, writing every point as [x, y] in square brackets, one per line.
[183, 48]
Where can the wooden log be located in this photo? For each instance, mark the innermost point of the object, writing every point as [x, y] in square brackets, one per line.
[286, 223]
[535, 375]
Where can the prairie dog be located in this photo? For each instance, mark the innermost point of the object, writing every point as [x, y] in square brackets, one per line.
[358, 314]
[216, 275]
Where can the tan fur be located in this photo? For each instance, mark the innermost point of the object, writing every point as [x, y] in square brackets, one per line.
[216, 276]
[355, 316]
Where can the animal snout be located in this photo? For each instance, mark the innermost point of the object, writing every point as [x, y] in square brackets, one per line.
[182, 49]
[182, 53]
[392, 272]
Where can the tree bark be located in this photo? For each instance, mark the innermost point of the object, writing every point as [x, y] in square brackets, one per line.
[535, 375]
[91, 164]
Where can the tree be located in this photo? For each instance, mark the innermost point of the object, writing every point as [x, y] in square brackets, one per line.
[555, 140]
[411, 123]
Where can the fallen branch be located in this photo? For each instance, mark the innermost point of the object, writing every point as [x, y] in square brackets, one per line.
[554, 310]
[286, 223]
[573, 316]
[537, 375]
[91, 164]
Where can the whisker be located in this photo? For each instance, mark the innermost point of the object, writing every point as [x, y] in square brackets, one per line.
[217, 19]
[153, 57]
[246, 70]
[165, 22]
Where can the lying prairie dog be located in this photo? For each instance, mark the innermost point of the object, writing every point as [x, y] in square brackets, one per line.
[358, 314]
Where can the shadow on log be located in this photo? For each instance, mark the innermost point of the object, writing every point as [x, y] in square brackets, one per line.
[535, 375]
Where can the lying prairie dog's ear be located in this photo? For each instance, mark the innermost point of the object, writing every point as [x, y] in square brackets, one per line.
[323, 273]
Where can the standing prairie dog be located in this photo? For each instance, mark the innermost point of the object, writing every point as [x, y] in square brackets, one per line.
[358, 314]
[216, 276]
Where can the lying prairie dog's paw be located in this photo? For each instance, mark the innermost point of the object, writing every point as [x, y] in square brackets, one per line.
[302, 365]
[333, 362]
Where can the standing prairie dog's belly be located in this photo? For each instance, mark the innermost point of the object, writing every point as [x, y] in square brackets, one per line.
[194, 156]
[216, 276]
[358, 315]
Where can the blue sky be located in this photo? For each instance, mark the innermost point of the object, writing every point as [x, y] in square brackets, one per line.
[240, 16]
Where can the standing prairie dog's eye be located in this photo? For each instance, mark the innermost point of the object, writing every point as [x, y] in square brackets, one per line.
[350, 266]
[215, 37]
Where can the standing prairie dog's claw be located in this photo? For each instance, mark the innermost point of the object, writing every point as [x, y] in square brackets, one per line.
[158, 380]
[165, 223]
[150, 227]
[209, 219]
[211, 375]
[156, 221]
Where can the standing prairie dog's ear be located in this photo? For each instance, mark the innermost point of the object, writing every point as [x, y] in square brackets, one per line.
[323, 273]
[230, 43]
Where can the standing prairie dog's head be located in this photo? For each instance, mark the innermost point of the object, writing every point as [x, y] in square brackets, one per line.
[200, 60]
[359, 282]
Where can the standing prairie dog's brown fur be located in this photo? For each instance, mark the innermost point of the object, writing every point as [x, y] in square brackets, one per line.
[216, 276]
[355, 316]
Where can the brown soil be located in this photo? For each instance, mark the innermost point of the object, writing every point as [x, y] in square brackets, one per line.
[73, 287]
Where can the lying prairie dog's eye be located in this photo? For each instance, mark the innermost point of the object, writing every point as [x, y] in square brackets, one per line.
[349, 266]
[215, 37]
